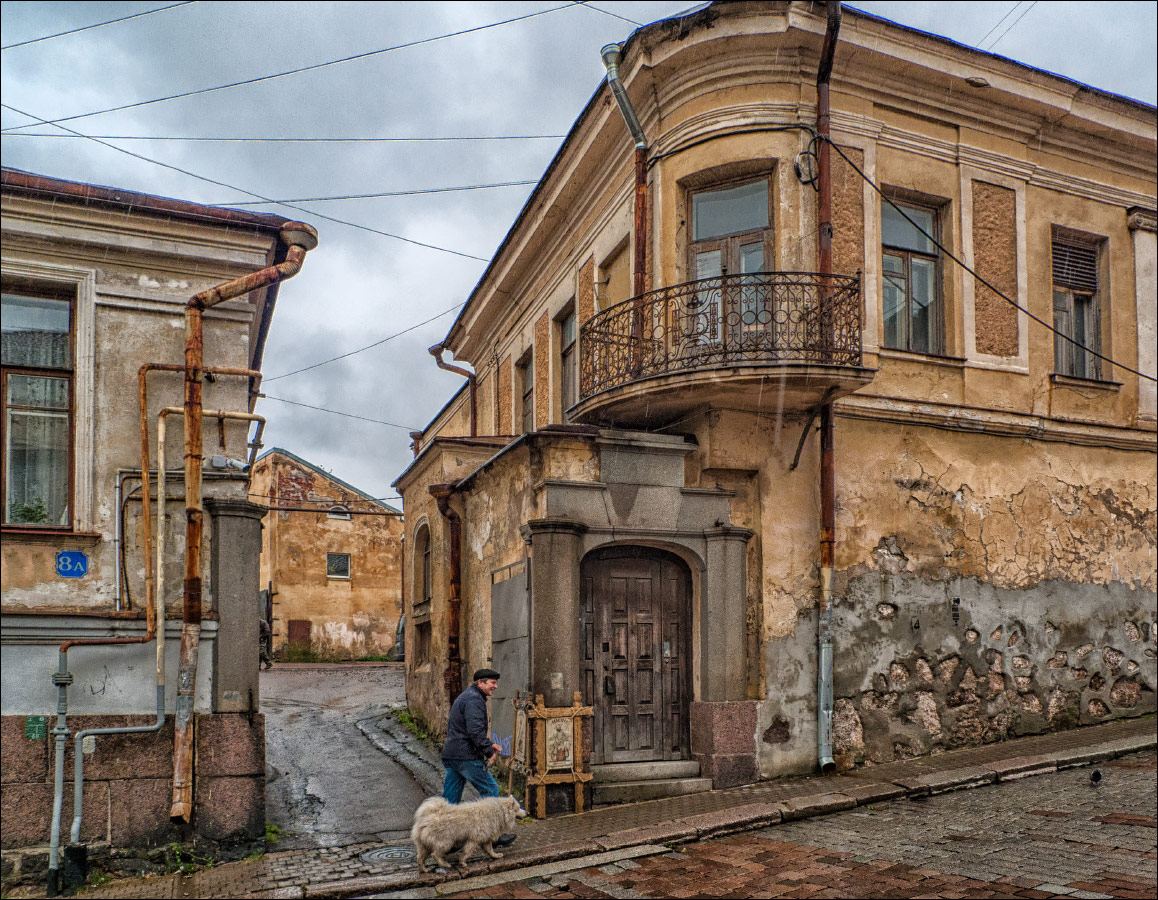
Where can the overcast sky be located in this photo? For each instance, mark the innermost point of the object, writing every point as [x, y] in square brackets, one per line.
[528, 77]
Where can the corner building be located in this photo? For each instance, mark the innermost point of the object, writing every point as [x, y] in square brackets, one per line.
[636, 512]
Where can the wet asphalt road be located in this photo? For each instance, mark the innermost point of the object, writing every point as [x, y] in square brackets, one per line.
[327, 785]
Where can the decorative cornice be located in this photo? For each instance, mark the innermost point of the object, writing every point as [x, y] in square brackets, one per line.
[994, 423]
[1141, 219]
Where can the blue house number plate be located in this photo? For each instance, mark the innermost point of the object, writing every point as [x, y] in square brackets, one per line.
[71, 564]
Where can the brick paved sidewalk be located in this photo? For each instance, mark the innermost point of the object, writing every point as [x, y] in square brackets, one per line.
[341, 872]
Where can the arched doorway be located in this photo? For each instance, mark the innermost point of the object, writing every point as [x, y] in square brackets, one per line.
[635, 654]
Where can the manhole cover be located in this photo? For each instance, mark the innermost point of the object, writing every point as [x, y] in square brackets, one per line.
[388, 854]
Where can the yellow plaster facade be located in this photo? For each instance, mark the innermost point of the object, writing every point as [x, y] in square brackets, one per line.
[980, 489]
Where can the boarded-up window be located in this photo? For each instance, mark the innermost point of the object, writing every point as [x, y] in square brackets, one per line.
[1076, 306]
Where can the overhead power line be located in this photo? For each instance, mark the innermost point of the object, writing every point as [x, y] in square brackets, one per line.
[232, 187]
[300, 69]
[291, 140]
[607, 12]
[439, 190]
[335, 412]
[49, 37]
[1000, 21]
[997, 40]
[362, 349]
[835, 146]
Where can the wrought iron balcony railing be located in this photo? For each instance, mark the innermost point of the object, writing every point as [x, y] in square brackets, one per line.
[766, 318]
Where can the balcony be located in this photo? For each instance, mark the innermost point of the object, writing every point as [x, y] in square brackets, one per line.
[770, 341]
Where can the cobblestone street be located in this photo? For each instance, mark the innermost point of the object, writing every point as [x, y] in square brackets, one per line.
[1049, 836]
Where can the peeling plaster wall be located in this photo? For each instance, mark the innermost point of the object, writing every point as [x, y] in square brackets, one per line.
[500, 501]
[352, 617]
[1048, 549]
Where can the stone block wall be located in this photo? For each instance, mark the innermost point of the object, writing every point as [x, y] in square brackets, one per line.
[128, 782]
[923, 666]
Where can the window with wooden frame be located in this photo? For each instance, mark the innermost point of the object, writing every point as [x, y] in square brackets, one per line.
[911, 284]
[338, 511]
[338, 565]
[38, 395]
[526, 371]
[730, 234]
[1076, 305]
[425, 582]
[568, 375]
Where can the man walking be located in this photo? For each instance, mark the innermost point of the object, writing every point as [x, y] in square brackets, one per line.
[468, 750]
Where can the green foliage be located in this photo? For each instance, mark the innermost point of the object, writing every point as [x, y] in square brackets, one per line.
[272, 833]
[180, 859]
[415, 724]
[34, 513]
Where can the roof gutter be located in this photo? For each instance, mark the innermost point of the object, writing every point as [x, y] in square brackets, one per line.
[612, 56]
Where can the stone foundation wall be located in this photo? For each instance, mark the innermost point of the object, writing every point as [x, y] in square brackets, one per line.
[923, 665]
[129, 780]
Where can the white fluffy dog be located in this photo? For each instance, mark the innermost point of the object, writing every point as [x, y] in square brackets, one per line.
[440, 827]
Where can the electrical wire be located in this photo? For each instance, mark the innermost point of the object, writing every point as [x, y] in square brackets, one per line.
[330, 500]
[204, 178]
[291, 140]
[439, 190]
[835, 146]
[367, 347]
[300, 69]
[1009, 13]
[607, 12]
[49, 37]
[339, 413]
[1011, 24]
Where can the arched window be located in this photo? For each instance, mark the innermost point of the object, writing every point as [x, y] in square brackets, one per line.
[339, 512]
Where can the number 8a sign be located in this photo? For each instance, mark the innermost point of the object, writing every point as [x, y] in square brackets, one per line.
[71, 564]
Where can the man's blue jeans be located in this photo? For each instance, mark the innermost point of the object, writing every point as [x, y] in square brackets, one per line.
[460, 771]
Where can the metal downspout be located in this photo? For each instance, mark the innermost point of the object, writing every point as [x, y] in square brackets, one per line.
[612, 56]
[827, 454]
[471, 379]
[301, 239]
[452, 677]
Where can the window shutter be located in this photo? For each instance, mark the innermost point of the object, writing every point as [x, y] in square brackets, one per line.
[1075, 265]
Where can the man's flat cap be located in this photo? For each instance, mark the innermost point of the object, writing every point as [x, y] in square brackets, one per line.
[483, 674]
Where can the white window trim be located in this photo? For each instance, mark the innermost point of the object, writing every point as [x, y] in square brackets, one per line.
[83, 281]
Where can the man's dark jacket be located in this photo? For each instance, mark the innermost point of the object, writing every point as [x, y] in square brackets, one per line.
[466, 730]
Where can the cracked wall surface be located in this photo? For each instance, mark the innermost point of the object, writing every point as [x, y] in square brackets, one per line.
[1018, 532]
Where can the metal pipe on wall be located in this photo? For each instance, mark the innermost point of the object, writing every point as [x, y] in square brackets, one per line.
[472, 381]
[612, 56]
[452, 677]
[301, 239]
[824, 702]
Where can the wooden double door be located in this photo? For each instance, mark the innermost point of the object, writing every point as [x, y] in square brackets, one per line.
[635, 622]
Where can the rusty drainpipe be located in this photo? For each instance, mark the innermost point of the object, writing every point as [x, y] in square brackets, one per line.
[452, 677]
[827, 454]
[301, 239]
[436, 351]
[612, 56]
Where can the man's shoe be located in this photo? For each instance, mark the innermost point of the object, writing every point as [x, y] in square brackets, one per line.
[505, 840]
